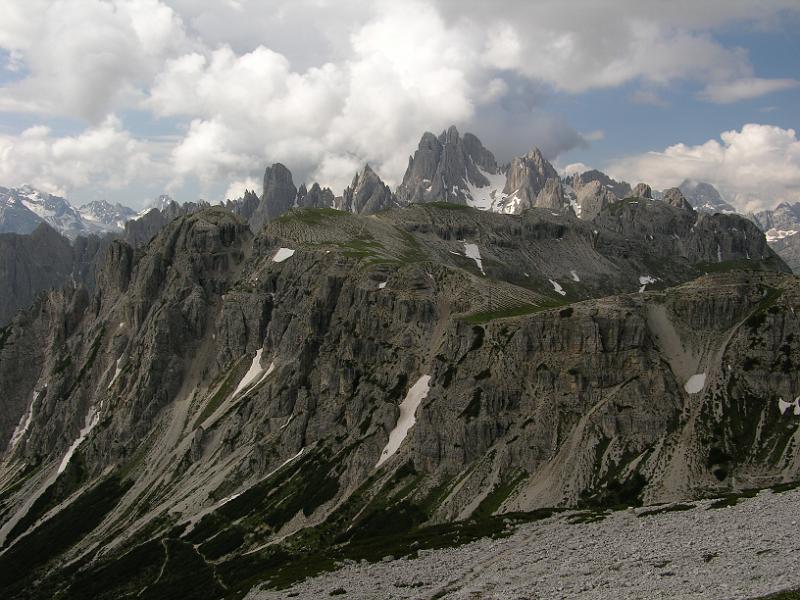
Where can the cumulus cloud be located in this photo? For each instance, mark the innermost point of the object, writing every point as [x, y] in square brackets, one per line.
[104, 155]
[237, 188]
[408, 72]
[755, 168]
[574, 169]
[83, 58]
[327, 85]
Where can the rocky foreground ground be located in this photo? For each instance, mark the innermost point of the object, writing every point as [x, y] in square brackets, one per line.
[735, 548]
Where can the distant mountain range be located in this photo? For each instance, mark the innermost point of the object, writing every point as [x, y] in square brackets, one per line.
[23, 209]
[448, 168]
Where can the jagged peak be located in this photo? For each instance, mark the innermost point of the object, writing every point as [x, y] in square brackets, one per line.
[277, 172]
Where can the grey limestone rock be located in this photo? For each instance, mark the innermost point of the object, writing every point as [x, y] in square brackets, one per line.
[642, 190]
[593, 197]
[235, 391]
[443, 168]
[704, 197]
[532, 182]
[367, 194]
[277, 198]
[674, 197]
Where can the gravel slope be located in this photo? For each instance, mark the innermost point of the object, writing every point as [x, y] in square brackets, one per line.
[737, 552]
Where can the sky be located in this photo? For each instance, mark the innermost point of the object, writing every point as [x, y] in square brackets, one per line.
[127, 99]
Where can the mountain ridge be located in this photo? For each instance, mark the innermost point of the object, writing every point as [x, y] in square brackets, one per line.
[221, 384]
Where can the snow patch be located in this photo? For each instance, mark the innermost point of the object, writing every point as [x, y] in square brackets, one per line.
[255, 374]
[381, 285]
[644, 280]
[229, 498]
[116, 373]
[92, 419]
[574, 276]
[696, 383]
[488, 196]
[471, 250]
[407, 418]
[282, 254]
[773, 235]
[557, 287]
[783, 406]
[719, 253]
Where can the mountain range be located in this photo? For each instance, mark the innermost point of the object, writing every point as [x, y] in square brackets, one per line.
[23, 209]
[444, 168]
[220, 401]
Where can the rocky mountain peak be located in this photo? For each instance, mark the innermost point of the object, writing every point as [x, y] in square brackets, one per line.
[277, 198]
[367, 194]
[784, 217]
[450, 136]
[528, 184]
[23, 208]
[704, 197]
[592, 197]
[101, 215]
[675, 197]
[162, 202]
[314, 197]
[621, 189]
[447, 168]
[642, 190]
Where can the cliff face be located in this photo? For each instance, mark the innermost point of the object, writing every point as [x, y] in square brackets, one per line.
[220, 391]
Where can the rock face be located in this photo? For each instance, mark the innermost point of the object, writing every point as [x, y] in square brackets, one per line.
[101, 216]
[449, 169]
[367, 194]
[22, 209]
[532, 182]
[277, 198]
[620, 189]
[591, 198]
[788, 248]
[783, 219]
[142, 229]
[704, 197]
[316, 197]
[15, 217]
[223, 398]
[781, 227]
[674, 197]
[245, 206]
[642, 190]
[30, 264]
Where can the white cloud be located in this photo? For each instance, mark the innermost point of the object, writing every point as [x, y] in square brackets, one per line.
[746, 88]
[408, 72]
[326, 85]
[237, 188]
[85, 57]
[104, 155]
[574, 168]
[754, 168]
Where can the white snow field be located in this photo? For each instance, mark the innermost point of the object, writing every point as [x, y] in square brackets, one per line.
[407, 418]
